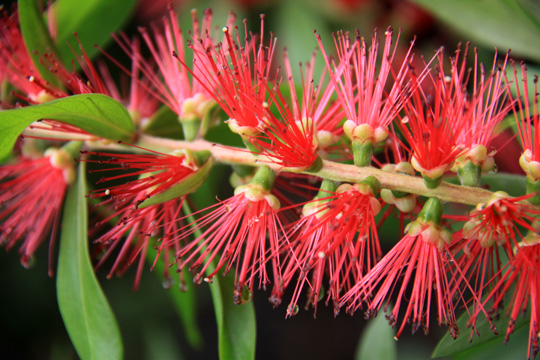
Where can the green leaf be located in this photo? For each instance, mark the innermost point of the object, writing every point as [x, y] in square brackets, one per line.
[93, 21]
[164, 123]
[36, 37]
[88, 318]
[448, 346]
[236, 323]
[94, 113]
[377, 341]
[496, 349]
[508, 24]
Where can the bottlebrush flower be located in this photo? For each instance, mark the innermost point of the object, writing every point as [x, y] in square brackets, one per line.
[236, 75]
[485, 107]
[434, 121]
[303, 129]
[361, 89]
[244, 229]
[147, 207]
[17, 67]
[336, 238]
[31, 198]
[528, 119]
[161, 176]
[419, 262]
[137, 230]
[174, 85]
[521, 279]
[492, 229]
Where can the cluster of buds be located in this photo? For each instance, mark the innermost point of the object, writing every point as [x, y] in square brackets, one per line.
[315, 174]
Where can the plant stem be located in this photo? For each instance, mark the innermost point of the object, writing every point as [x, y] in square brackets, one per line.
[330, 170]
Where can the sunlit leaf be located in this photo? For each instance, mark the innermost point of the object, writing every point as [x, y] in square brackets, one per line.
[96, 114]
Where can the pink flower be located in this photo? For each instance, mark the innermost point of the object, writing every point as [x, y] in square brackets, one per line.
[419, 262]
[303, 130]
[139, 229]
[336, 238]
[236, 75]
[493, 229]
[31, 198]
[521, 279]
[140, 226]
[434, 122]
[242, 230]
[361, 89]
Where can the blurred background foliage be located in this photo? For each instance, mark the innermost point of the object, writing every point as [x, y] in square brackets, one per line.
[31, 327]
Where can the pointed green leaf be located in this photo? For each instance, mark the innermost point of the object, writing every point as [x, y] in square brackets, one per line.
[94, 113]
[377, 341]
[36, 37]
[236, 323]
[448, 346]
[88, 318]
[93, 21]
[507, 24]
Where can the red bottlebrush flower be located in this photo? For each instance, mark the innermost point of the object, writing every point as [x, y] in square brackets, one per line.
[492, 229]
[16, 64]
[528, 121]
[486, 106]
[187, 97]
[361, 89]
[337, 236]
[433, 123]
[243, 229]
[137, 230]
[237, 77]
[31, 198]
[521, 278]
[157, 172]
[418, 260]
[297, 137]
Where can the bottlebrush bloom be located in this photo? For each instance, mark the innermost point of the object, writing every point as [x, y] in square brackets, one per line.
[174, 85]
[434, 121]
[336, 238]
[244, 229]
[304, 129]
[17, 67]
[236, 75]
[137, 230]
[521, 278]
[419, 262]
[492, 229]
[147, 207]
[361, 89]
[527, 118]
[485, 107]
[158, 174]
[31, 198]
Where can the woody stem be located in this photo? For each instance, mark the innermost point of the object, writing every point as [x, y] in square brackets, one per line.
[330, 170]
